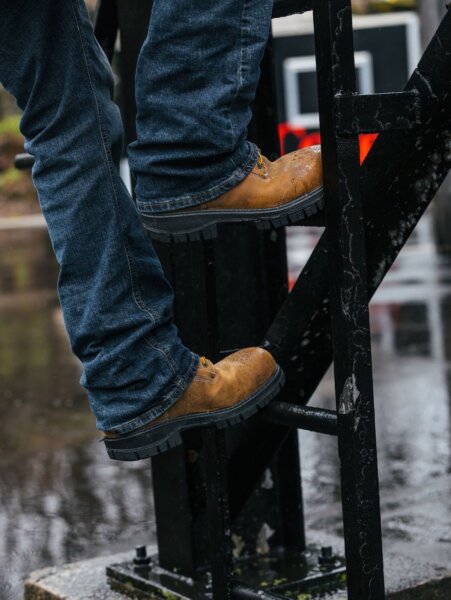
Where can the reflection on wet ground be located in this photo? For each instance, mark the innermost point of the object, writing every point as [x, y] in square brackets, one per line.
[61, 499]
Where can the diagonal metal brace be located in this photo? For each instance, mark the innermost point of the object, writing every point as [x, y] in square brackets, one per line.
[375, 113]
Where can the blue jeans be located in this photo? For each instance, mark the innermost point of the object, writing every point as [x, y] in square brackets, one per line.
[197, 74]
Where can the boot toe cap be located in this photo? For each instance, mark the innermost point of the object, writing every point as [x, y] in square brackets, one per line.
[256, 363]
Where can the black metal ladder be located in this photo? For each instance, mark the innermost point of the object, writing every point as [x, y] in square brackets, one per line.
[353, 422]
[208, 489]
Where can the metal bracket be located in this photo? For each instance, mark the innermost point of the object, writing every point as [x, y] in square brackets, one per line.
[374, 113]
[268, 577]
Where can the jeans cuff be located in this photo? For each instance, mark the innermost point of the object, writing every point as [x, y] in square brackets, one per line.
[217, 189]
[176, 388]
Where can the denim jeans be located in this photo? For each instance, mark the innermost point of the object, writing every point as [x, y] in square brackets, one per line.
[197, 74]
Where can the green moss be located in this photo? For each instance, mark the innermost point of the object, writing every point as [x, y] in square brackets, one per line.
[168, 595]
[10, 125]
[280, 581]
[10, 176]
[303, 597]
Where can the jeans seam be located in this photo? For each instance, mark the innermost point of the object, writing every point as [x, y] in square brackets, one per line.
[132, 273]
[240, 72]
[162, 351]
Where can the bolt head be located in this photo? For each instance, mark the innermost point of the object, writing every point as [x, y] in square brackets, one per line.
[327, 556]
[141, 557]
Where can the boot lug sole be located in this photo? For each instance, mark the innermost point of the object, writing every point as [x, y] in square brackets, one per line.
[140, 445]
[194, 226]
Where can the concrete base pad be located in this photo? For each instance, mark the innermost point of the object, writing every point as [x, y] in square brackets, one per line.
[85, 580]
[407, 579]
[417, 544]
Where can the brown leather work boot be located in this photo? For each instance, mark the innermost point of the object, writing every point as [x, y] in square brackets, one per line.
[274, 194]
[222, 394]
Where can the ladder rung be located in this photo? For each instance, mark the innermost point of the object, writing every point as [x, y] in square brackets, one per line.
[23, 161]
[247, 593]
[301, 417]
[284, 8]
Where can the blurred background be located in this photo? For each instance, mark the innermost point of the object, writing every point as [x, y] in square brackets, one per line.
[61, 499]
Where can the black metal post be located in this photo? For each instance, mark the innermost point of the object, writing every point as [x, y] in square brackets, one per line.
[218, 513]
[107, 24]
[349, 306]
[134, 16]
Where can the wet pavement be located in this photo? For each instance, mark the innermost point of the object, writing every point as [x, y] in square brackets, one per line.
[62, 500]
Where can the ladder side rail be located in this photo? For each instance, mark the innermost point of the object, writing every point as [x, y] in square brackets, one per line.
[349, 306]
[396, 195]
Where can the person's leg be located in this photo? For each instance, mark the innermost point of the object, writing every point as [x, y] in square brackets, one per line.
[197, 76]
[144, 386]
[117, 304]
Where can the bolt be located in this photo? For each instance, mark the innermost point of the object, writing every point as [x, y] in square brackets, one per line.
[141, 559]
[327, 557]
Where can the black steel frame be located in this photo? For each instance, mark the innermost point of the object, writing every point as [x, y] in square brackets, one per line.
[210, 487]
